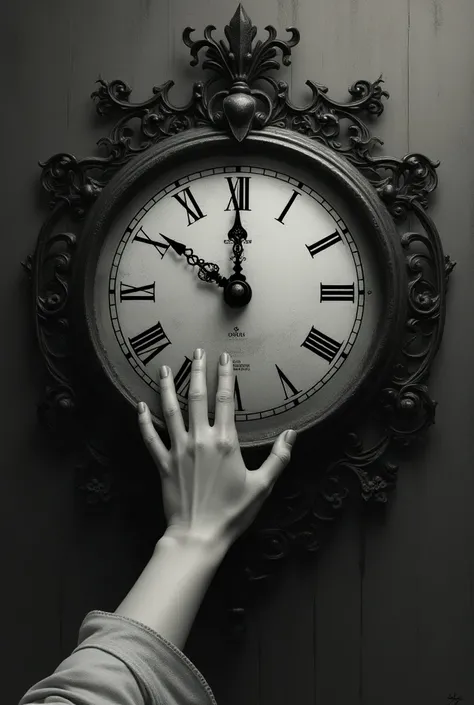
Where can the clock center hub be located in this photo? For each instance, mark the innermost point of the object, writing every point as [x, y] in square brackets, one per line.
[237, 293]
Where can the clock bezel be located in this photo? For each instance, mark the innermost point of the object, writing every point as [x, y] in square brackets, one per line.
[139, 170]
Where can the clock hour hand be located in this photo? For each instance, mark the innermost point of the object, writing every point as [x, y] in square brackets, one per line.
[208, 271]
[237, 293]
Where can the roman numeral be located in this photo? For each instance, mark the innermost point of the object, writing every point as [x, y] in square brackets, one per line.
[321, 245]
[239, 190]
[187, 200]
[321, 345]
[287, 385]
[183, 378]
[161, 247]
[237, 397]
[148, 344]
[136, 293]
[337, 292]
[288, 206]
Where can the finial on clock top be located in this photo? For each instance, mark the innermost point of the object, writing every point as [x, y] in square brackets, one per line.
[240, 63]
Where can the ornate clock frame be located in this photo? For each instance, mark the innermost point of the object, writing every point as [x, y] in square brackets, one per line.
[233, 100]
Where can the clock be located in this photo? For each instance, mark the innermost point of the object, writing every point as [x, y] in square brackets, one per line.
[274, 249]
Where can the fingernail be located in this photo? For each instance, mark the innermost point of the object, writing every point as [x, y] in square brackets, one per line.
[163, 372]
[290, 437]
[224, 358]
[141, 407]
[198, 354]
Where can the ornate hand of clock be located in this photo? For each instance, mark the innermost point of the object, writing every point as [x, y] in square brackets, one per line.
[208, 271]
[343, 312]
[238, 291]
[237, 234]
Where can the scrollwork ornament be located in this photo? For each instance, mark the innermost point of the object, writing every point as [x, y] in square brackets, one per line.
[303, 514]
[94, 480]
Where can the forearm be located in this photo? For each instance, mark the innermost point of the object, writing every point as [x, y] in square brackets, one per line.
[169, 591]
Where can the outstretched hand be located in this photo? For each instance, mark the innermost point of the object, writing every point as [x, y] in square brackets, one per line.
[207, 490]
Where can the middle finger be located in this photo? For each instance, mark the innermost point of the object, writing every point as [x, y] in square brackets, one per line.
[197, 395]
[225, 404]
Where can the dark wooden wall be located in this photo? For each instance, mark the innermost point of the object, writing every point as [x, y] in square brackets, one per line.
[387, 614]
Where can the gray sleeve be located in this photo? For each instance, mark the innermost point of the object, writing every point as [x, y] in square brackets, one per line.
[119, 661]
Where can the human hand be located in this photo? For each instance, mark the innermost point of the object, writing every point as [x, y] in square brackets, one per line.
[207, 490]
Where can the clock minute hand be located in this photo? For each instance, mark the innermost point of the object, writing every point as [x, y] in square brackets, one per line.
[237, 234]
[238, 291]
[208, 271]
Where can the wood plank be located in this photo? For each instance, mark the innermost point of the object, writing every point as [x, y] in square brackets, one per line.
[441, 75]
[418, 584]
[337, 617]
[36, 484]
[285, 623]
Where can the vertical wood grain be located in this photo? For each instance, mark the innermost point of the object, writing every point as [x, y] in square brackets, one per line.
[418, 634]
[35, 484]
[441, 109]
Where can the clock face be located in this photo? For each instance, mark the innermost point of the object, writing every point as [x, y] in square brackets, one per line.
[317, 291]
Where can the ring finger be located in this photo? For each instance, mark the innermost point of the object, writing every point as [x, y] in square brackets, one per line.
[170, 407]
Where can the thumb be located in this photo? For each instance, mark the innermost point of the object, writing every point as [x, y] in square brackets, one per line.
[277, 461]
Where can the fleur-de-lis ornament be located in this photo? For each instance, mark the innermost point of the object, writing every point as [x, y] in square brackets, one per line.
[240, 64]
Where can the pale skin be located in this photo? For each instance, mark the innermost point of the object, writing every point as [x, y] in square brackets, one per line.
[209, 499]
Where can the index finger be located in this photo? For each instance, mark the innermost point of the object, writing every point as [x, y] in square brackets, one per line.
[225, 406]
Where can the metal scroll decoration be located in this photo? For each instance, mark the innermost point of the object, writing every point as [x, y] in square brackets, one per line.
[233, 100]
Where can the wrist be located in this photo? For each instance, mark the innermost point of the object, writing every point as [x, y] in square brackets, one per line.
[168, 593]
[212, 546]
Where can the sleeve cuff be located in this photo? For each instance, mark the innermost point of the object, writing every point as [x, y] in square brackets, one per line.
[119, 661]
